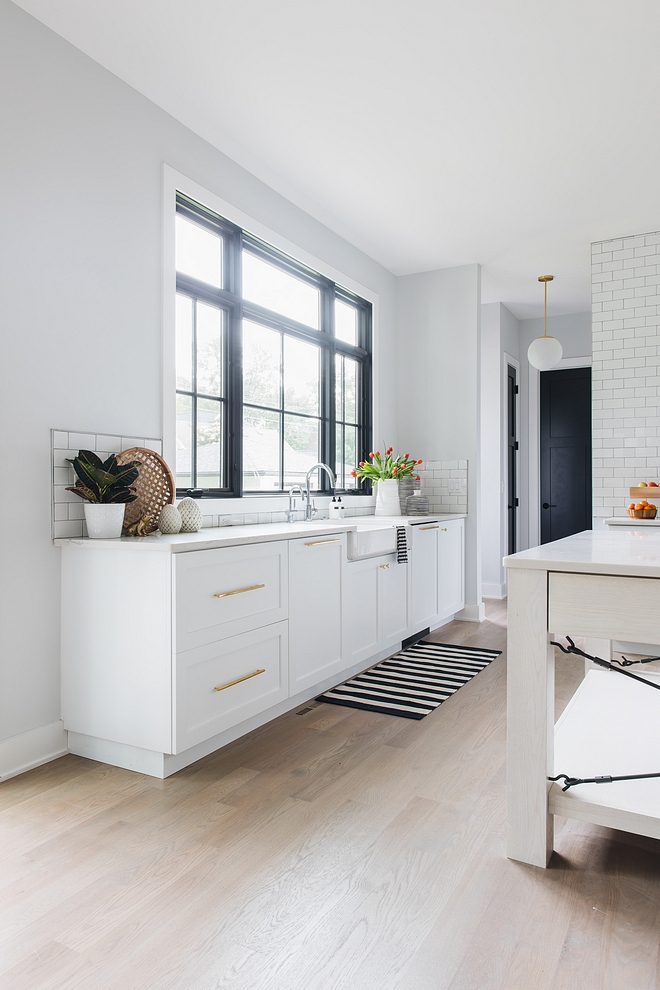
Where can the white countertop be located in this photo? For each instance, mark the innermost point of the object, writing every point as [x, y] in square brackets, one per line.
[228, 536]
[624, 551]
[633, 523]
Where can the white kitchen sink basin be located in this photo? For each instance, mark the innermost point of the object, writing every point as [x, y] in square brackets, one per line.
[371, 541]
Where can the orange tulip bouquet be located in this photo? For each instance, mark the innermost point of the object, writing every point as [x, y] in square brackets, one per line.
[387, 467]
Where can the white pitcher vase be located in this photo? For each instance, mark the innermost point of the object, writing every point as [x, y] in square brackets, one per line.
[387, 498]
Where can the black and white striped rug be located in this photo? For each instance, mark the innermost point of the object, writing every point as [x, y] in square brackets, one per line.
[414, 682]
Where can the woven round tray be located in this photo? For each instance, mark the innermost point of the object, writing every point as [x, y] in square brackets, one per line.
[154, 488]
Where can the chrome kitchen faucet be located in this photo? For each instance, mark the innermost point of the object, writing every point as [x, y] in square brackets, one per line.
[309, 509]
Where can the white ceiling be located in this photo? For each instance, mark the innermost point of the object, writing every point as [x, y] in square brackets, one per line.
[430, 133]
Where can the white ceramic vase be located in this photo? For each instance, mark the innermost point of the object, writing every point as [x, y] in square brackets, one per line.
[104, 520]
[387, 498]
[191, 515]
[169, 521]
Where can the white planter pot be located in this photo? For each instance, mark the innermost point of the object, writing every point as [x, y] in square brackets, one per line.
[387, 498]
[104, 522]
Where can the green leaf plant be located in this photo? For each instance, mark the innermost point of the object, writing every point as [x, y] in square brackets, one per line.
[384, 467]
[103, 481]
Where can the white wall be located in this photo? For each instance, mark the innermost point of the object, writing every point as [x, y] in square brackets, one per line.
[626, 369]
[80, 255]
[438, 367]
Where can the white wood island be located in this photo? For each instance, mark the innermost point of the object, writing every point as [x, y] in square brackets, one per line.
[604, 586]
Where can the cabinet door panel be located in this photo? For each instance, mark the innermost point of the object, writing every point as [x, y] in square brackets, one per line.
[227, 591]
[224, 683]
[360, 610]
[394, 603]
[424, 575]
[451, 594]
[315, 610]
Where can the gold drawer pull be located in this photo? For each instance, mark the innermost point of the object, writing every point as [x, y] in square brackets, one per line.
[319, 543]
[384, 567]
[422, 528]
[246, 677]
[444, 529]
[239, 591]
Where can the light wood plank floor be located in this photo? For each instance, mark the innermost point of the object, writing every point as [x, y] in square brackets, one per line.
[329, 850]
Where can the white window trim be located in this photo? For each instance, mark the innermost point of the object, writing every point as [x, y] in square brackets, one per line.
[173, 182]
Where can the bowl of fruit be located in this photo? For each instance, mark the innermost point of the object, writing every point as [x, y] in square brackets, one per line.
[642, 510]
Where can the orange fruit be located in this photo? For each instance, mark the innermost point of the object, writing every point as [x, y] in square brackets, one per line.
[639, 506]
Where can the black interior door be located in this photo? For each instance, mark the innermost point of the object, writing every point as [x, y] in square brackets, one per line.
[565, 452]
[512, 481]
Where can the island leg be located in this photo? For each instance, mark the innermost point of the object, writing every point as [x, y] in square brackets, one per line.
[530, 718]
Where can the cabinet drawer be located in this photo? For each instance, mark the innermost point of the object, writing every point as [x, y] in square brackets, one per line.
[228, 591]
[604, 606]
[222, 684]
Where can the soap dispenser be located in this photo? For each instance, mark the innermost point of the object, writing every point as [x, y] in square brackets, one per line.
[336, 508]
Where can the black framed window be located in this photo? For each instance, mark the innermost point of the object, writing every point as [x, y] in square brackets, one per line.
[273, 365]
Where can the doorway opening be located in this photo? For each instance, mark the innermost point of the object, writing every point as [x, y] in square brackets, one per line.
[565, 452]
[512, 500]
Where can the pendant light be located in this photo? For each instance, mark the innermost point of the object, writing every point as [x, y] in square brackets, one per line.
[545, 352]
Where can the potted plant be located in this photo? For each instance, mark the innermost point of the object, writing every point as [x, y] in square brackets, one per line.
[105, 487]
[385, 472]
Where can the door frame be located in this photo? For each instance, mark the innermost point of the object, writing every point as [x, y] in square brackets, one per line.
[508, 359]
[534, 405]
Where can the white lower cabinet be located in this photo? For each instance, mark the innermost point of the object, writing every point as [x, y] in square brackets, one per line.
[315, 610]
[361, 612]
[375, 607]
[221, 684]
[437, 572]
[424, 564]
[394, 604]
[214, 639]
[451, 567]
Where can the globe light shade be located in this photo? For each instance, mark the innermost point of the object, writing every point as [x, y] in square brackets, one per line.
[544, 353]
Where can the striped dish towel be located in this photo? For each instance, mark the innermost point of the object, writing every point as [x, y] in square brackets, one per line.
[401, 545]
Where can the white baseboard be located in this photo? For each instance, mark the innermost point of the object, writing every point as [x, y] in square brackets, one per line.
[494, 591]
[472, 613]
[31, 749]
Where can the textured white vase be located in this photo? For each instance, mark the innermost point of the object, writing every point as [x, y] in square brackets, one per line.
[170, 521]
[387, 498]
[191, 515]
[104, 521]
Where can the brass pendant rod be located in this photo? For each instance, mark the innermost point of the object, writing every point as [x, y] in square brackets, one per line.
[545, 279]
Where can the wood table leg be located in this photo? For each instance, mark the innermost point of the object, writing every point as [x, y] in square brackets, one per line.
[530, 718]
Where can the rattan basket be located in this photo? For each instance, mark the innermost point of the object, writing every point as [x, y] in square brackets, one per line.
[643, 513]
[154, 487]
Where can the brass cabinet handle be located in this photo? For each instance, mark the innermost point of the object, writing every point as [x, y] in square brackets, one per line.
[422, 528]
[444, 529]
[238, 591]
[318, 543]
[384, 567]
[246, 677]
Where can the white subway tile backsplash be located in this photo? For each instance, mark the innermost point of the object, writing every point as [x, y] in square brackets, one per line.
[67, 530]
[82, 441]
[67, 510]
[626, 367]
